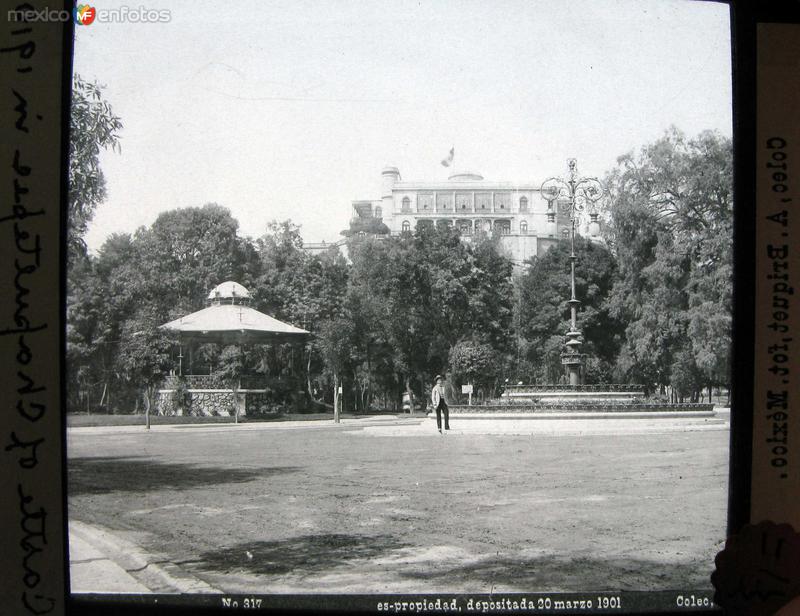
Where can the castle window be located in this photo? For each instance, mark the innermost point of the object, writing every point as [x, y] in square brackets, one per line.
[523, 203]
[378, 212]
[406, 204]
[523, 226]
[565, 233]
[406, 226]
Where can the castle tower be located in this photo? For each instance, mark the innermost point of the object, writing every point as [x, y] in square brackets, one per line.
[389, 176]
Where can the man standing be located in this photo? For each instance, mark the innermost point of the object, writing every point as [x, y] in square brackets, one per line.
[439, 400]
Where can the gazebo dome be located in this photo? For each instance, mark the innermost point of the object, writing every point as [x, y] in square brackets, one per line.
[229, 292]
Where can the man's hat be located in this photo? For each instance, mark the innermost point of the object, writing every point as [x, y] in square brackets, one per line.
[438, 376]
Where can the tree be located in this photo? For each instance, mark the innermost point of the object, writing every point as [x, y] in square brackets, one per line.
[307, 290]
[371, 226]
[185, 253]
[414, 297]
[335, 339]
[386, 298]
[85, 325]
[657, 334]
[474, 362]
[685, 376]
[491, 297]
[145, 355]
[229, 371]
[544, 308]
[670, 227]
[93, 127]
[157, 274]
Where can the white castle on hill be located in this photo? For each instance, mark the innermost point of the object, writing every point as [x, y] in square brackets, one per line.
[526, 223]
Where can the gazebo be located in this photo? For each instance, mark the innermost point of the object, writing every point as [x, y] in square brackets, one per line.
[227, 320]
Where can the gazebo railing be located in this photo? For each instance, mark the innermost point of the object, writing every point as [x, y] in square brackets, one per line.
[192, 381]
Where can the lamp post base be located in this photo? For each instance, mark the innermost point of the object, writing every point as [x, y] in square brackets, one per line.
[574, 363]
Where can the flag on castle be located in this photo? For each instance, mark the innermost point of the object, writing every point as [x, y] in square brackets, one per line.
[449, 160]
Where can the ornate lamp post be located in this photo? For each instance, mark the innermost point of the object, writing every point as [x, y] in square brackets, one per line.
[572, 195]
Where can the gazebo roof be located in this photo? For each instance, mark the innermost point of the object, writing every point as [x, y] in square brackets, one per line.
[233, 323]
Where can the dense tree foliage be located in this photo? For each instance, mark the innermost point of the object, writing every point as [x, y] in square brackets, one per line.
[144, 355]
[671, 227]
[655, 298]
[93, 127]
[186, 253]
[475, 363]
[372, 226]
[414, 297]
[137, 282]
[544, 311]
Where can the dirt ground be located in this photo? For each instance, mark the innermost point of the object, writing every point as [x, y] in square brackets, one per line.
[344, 509]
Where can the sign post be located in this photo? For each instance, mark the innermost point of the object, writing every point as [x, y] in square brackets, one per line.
[467, 389]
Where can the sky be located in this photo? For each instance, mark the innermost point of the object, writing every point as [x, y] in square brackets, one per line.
[289, 110]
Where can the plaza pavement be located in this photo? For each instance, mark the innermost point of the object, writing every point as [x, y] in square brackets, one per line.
[568, 424]
[101, 560]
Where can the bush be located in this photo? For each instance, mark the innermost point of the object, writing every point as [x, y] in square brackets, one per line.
[472, 361]
[181, 398]
[366, 225]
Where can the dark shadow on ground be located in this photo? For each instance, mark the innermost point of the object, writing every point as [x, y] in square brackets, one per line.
[103, 475]
[581, 573]
[309, 553]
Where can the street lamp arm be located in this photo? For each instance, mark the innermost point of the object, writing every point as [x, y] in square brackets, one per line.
[553, 188]
[591, 187]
